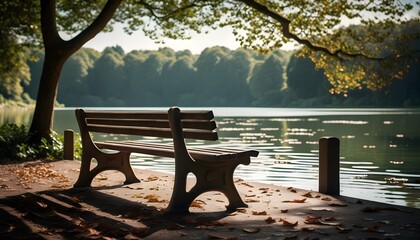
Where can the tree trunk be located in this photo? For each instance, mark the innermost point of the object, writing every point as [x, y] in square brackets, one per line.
[47, 92]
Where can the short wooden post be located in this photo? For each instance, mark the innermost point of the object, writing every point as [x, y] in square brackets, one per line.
[329, 165]
[68, 144]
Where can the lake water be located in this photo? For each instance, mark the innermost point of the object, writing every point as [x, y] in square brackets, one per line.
[379, 148]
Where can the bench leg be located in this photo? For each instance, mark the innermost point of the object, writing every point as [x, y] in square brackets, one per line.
[126, 168]
[180, 201]
[209, 178]
[116, 161]
[229, 189]
[85, 178]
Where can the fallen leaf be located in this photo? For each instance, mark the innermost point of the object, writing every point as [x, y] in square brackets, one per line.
[241, 210]
[284, 210]
[343, 230]
[326, 199]
[41, 204]
[338, 205]
[287, 223]
[296, 200]
[329, 219]
[259, 213]
[247, 184]
[252, 230]
[89, 233]
[131, 187]
[308, 194]
[250, 195]
[218, 223]
[319, 221]
[196, 204]
[386, 222]
[102, 177]
[151, 179]
[204, 227]
[374, 228]
[269, 220]
[152, 199]
[75, 199]
[251, 200]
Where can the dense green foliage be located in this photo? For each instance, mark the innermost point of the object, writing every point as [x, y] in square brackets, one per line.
[216, 77]
[14, 145]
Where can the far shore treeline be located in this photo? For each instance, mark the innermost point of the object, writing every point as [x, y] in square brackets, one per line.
[216, 77]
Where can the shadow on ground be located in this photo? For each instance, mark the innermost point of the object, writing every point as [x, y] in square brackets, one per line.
[88, 213]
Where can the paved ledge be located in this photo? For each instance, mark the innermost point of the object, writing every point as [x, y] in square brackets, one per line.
[37, 201]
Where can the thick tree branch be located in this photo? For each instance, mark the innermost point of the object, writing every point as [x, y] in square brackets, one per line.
[286, 32]
[97, 25]
[152, 9]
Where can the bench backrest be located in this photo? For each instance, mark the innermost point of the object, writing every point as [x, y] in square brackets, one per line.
[196, 124]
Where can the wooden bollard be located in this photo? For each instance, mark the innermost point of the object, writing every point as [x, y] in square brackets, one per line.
[329, 165]
[68, 144]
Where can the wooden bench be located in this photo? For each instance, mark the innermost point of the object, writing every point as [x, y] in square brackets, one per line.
[212, 167]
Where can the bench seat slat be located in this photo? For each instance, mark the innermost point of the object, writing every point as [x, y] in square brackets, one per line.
[166, 150]
[217, 151]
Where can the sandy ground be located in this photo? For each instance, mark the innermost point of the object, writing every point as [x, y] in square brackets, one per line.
[37, 201]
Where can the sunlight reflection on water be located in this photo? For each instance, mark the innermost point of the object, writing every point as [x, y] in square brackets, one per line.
[372, 167]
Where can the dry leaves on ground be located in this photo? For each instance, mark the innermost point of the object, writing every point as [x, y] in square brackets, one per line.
[295, 201]
[287, 223]
[321, 221]
[35, 173]
[259, 213]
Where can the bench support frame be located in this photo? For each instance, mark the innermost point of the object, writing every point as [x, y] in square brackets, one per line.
[211, 176]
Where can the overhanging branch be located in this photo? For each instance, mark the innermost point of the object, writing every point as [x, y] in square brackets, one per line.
[97, 25]
[286, 33]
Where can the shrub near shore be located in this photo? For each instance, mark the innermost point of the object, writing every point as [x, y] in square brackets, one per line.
[15, 145]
